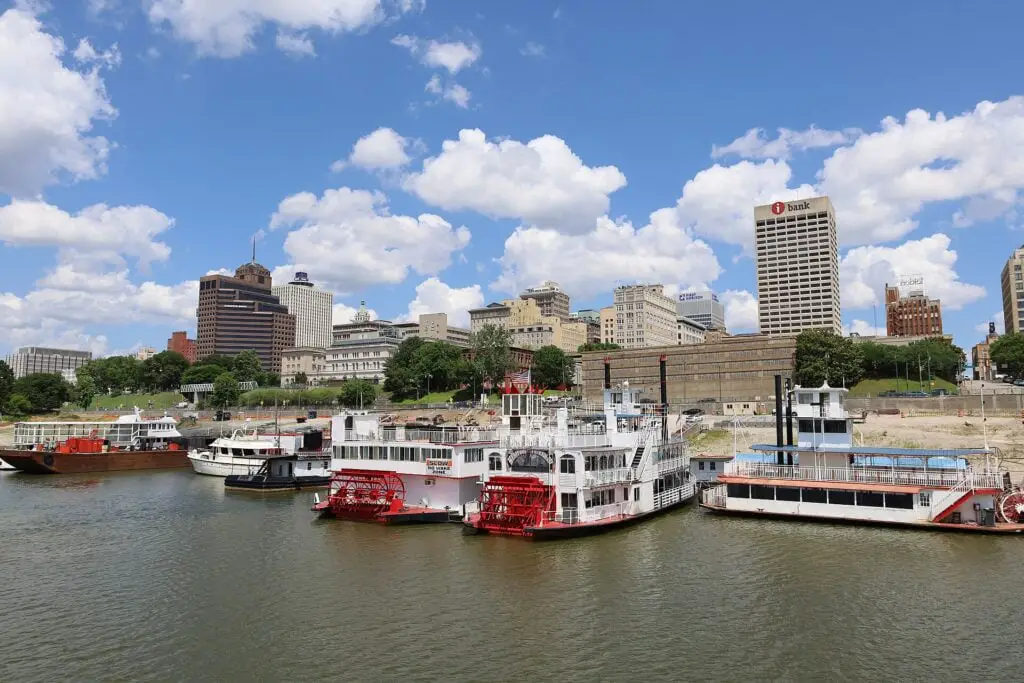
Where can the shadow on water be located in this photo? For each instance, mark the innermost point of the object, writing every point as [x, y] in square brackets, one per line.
[165, 576]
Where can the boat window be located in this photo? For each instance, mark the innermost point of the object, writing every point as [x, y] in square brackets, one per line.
[738, 490]
[805, 398]
[840, 497]
[236, 451]
[604, 463]
[870, 499]
[787, 493]
[924, 498]
[762, 492]
[588, 463]
[529, 460]
[249, 452]
[636, 493]
[814, 496]
[494, 462]
[309, 465]
[904, 501]
[835, 426]
[473, 455]
[805, 425]
[567, 464]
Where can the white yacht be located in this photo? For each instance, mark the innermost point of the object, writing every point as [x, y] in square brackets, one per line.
[245, 452]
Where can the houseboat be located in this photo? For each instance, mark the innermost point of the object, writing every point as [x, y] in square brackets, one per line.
[824, 476]
[615, 468]
[131, 442]
[246, 451]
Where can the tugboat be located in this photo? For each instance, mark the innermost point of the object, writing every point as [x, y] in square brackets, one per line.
[285, 473]
[129, 443]
[824, 477]
[607, 473]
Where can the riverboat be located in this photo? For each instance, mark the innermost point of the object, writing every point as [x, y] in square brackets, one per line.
[617, 467]
[245, 452]
[825, 477]
[131, 442]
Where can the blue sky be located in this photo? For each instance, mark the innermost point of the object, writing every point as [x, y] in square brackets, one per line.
[435, 156]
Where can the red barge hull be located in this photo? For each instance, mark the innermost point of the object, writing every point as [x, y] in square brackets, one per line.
[52, 462]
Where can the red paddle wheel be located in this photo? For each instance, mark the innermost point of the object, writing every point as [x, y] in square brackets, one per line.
[365, 494]
[1011, 507]
[508, 505]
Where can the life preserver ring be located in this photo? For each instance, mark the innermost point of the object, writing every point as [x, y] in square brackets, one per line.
[48, 459]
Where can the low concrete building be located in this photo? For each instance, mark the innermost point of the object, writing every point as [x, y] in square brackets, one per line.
[435, 327]
[725, 369]
[305, 359]
[689, 331]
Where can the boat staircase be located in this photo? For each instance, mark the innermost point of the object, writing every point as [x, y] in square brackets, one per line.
[945, 502]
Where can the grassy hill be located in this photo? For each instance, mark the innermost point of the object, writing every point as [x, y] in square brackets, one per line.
[873, 387]
[166, 399]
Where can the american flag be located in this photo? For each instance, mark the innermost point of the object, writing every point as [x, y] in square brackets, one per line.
[521, 377]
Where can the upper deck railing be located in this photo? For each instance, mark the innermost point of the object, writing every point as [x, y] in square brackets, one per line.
[867, 475]
[467, 436]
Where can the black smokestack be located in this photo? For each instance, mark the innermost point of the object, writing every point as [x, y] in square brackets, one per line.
[607, 373]
[789, 419]
[778, 417]
[664, 397]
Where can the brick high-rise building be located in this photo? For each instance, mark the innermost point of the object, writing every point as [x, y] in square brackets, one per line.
[913, 315]
[797, 266]
[550, 298]
[180, 343]
[240, 313]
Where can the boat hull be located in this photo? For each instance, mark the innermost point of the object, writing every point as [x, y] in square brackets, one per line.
[226, 467]
[5, 467]
[244, 482]
[50, 462]
[999, 528]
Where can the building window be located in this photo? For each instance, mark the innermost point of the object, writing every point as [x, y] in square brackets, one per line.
[700, 465]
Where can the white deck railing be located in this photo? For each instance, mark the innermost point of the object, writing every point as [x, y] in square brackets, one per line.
[714, 495]
[613, 476]
[555, 440]
[865, 475]
[672, 496]
[671, 464]
[587, 515]
[467, 436]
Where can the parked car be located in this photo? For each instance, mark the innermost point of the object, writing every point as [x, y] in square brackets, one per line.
[221, 416]
[183, 404]
[705, 400]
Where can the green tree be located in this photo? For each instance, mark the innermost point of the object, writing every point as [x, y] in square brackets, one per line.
[6, 383]
[552, 367]
[301, 378]
[1008, 353]
[18, 405]
[270, 379]
[357, 392]
[400, 370]
[823, 355]
[248, 367]
[598, 346]
[435, 366]
[84, 391]
[115, 374]
[223, 362]
[44, 391]
[491, 354]
[225, 390]
[201, 374]
[163, 371]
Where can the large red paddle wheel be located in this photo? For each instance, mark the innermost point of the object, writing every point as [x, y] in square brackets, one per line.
[365, 494]
[509, 505]
[1011, 507]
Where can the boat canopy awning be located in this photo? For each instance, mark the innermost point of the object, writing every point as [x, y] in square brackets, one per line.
[875, 456]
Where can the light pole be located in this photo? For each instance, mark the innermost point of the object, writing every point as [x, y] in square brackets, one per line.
[428, 383]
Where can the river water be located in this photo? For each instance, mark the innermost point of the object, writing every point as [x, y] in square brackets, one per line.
[167, 577]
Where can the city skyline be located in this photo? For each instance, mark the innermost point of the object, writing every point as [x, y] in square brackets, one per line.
[446, 191]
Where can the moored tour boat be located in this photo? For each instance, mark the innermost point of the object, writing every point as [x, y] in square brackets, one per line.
[131, 442]
[825, 477]
[607, 473]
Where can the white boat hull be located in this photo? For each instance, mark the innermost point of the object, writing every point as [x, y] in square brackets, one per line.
[224, 465]
[6, 467]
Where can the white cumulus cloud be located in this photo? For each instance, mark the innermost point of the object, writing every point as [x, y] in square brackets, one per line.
[381, 149]
[453, 56]
[612, 252]
[740, 311]
[47, 108]
[540, 182]
[451, 92]
[349, 239]
[755, 145]
[294, 44]
[342, 313]
[434, 296]
[227, 28]
[864, 271]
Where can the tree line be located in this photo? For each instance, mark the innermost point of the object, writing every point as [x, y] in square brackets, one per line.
[822, 354]
[1007, 352]
[419, 367]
